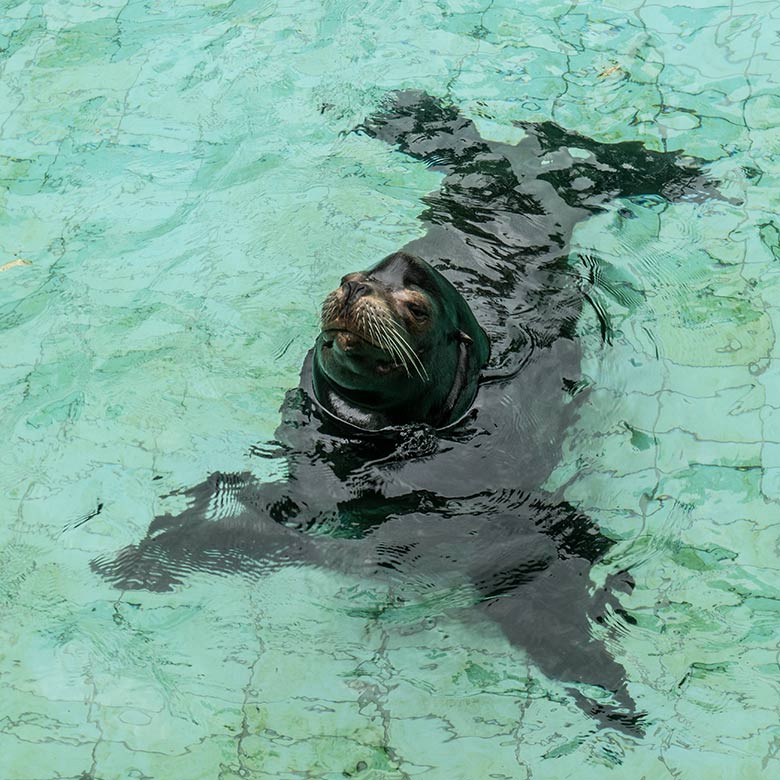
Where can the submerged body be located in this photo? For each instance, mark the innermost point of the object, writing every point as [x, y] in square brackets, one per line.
[416, 471]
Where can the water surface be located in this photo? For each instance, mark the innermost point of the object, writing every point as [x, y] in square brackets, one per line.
[181, 180]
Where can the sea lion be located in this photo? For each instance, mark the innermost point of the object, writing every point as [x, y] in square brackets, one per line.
[399, 485]
[398, 345]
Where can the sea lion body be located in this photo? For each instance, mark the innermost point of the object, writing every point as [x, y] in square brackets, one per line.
[447, 480]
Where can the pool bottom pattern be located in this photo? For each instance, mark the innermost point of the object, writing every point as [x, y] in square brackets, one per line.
[176, 179]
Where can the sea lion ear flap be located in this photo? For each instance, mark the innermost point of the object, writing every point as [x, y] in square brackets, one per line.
[478, 345]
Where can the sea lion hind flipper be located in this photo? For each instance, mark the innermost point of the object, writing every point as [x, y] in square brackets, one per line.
[584, 171]
[551, 613]
[425, 128]
[587, 172]
[554, 630]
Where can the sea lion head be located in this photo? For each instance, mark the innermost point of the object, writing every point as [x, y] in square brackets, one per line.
[398, 344]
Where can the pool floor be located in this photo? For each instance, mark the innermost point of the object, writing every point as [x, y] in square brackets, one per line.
[179, 190]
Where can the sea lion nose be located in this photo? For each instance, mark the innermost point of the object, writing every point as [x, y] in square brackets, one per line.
[354, 290]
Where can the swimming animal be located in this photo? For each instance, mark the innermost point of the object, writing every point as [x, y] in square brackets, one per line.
[414, 458]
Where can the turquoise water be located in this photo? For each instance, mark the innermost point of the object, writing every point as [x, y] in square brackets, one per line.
[178, 183]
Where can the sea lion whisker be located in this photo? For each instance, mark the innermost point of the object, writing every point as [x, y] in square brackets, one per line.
[361, 320]
[408, 358]
[385, 330]
[376, 333]
[328, 311]
[404, 345]
[390, 347]
[401, 347]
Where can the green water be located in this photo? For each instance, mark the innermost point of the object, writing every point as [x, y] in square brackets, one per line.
[178, 177]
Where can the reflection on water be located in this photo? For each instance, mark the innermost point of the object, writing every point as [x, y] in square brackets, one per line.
[177, 180]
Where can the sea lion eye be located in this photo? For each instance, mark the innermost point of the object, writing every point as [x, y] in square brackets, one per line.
[418, 311]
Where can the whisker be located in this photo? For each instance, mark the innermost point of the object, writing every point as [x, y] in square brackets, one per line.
[415, 360]
[394, 332]
[329, 306]
[390, 347]
[395, 336]
[400, 336]
[383, 332]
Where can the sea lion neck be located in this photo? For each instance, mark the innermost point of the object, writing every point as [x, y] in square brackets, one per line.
[366, 410]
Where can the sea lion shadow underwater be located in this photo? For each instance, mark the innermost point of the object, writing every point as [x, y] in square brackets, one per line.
[435, 401]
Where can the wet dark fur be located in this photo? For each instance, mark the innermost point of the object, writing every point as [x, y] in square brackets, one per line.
[415, 504]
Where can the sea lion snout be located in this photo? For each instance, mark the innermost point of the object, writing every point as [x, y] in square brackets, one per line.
[357, 300]
[352, 290]
[352, 344]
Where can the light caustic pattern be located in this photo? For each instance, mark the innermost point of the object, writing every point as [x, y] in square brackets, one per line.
[178, 194]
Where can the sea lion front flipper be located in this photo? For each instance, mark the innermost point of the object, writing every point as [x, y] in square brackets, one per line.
[246, 543]
[232, 524]
[549, 619]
